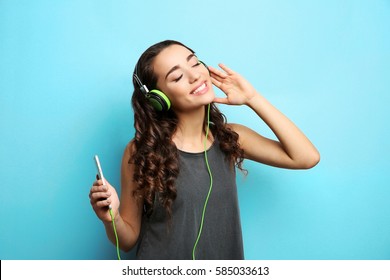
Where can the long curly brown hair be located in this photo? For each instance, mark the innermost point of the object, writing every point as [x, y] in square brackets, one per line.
[155, 159]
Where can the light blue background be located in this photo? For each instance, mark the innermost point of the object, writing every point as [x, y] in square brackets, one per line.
[65, 70]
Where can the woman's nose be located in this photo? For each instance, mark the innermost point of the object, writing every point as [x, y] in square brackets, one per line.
[193, 75]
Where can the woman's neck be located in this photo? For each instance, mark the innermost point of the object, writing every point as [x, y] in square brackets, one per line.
[190, 133]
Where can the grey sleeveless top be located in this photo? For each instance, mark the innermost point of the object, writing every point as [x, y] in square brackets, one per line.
[221, 235]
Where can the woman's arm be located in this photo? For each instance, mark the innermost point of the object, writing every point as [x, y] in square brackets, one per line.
[293, 150]
[131, 207]
[127, 214]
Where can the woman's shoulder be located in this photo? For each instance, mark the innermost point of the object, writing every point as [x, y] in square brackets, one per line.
[236, 127]
[129, 150]
[127, 161]
[244, 133]
[130, 146]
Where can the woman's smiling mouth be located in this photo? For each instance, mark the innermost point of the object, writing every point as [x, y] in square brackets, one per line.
[200, 90]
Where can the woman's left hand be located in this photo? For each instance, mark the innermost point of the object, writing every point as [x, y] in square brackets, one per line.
[238, 90]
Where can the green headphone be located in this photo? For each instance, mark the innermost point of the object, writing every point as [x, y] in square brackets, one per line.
[158, 99]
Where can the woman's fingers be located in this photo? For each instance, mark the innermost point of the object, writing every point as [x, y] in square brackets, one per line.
[221, 74]
[99, 195]
[103, 203]
[98, 182]
[216, 73]
[226, 69]
[216, 82]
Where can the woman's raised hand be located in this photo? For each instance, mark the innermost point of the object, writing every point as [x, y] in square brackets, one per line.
[238, 90]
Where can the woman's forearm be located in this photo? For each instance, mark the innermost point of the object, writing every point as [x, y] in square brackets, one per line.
[296, 145]
[127, 237]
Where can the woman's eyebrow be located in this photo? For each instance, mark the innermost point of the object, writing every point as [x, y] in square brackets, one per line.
[174, 68]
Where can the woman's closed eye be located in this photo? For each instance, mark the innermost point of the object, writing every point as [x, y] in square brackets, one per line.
[194, 65]
[178, 78]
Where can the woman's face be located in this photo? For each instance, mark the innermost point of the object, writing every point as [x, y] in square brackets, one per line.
[183, 78]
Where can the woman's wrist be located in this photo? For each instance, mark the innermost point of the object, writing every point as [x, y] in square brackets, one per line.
[254, 101]
[115, 216]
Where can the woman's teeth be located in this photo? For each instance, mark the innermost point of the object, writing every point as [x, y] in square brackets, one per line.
[199, 89]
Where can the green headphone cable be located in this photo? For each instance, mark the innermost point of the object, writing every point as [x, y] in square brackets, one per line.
[204, 206]
[116, 234]
[211, 184]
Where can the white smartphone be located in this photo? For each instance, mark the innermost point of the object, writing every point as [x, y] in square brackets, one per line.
[99, 169]
[100, 172]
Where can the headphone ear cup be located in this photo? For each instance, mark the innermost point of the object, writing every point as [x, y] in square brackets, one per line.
[158, 100]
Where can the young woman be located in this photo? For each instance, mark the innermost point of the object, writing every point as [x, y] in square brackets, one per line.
[178, 197]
